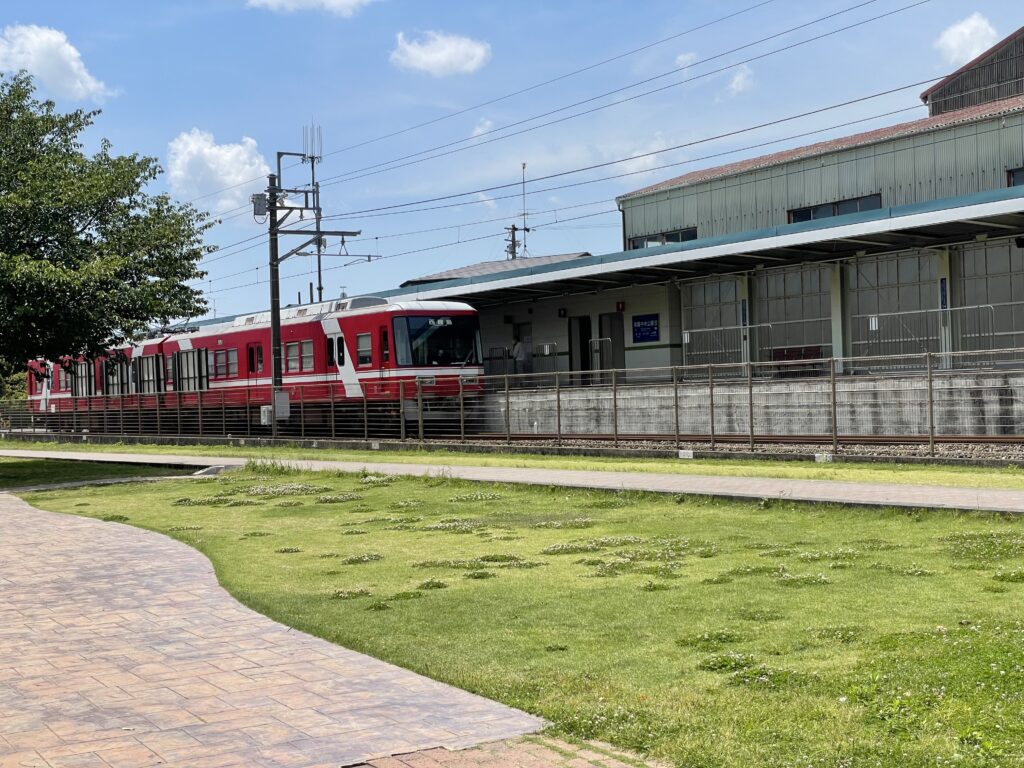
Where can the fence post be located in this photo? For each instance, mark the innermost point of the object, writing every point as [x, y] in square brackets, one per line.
[750, 402]
[835, 407]
[558, 405]
[462, 411]
[104, 405]
[159, 407]
[366, 412]
[508, 413]
[615, 408]
[711, 404]
[419, 407]
[177, 408]
[675, 403]
[248, 414]
[302, 412]
[401, 407]
[138, 409]
[931, 403]
[330, 397]
[223, 415]
[199, 410]
[74, 413]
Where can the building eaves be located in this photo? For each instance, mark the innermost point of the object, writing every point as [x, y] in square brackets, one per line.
[484, 268]
[969, 115]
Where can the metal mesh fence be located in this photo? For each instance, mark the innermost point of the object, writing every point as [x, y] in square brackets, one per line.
[921, 397]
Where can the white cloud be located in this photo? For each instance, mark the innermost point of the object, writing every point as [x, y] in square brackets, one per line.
[346, 8]
[440, 54]
[688, 59]
[742, 80]
[197, 165]
[966, 40]
[639, 164]
[487, 200]
[483, 125]
[46, 53]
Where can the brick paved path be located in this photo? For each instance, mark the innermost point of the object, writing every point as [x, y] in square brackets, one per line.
[942, 497]
[119, 649]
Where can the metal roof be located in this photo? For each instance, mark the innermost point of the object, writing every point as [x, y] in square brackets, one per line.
[945, 120]
[493, 267]
[972, 63]
[921, 225]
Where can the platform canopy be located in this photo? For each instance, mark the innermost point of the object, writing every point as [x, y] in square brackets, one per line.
[935, 224]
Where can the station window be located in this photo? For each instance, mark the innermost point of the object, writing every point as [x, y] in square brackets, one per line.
[225, 363]
[364, 349]
[838, 208]
[676, 236]
[1015, 177]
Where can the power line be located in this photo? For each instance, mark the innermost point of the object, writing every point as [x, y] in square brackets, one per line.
[475, 141]
[507, 96]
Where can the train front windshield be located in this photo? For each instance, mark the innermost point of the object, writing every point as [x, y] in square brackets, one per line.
[440, 341]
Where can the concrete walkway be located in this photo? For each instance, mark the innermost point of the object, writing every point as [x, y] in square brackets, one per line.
[119, 649]
[914, 496]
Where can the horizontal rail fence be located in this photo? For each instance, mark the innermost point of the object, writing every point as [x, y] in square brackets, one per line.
[924, 397]
[909, 334]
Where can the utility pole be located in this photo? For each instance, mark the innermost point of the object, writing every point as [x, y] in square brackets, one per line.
[513, 246]
[272, 204]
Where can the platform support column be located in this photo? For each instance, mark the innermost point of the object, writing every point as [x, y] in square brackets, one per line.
[838, 314]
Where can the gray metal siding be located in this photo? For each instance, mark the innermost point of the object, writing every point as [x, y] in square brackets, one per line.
[998, 77]
[945, 163]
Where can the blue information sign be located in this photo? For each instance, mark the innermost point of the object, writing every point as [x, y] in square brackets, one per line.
[645, 329]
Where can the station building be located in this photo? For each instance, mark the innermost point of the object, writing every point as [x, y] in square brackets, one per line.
[900, 240]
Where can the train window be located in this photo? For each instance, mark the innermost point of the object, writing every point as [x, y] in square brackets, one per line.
[307, 355]
[255, 358]
[84, 383]
[330, 351]
[385, 350]
[62, 378]
[341, 350]
[291, 356]
[192, 373]
[147, 372]
[225, 363]
[364, 349]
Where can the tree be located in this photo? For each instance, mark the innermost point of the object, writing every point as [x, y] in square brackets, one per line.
[88, 258]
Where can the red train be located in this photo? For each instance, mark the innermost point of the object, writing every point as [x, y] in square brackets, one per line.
[338, 352]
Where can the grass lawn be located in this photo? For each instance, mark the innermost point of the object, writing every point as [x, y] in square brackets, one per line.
[921, 474]
[704, 633]
[16, 473]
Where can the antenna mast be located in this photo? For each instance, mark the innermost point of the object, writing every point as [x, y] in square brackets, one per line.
[525, 228]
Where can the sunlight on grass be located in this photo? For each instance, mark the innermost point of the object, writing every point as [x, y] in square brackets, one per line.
[704, 633]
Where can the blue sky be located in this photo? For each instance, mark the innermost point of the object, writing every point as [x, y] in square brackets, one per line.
[214, 88]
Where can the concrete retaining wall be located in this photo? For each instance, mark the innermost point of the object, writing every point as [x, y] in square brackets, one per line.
[965, 404]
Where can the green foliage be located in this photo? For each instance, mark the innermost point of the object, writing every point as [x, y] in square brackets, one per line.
[87, 256]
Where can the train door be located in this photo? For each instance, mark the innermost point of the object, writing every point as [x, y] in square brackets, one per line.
[254, 364]
[385, 352]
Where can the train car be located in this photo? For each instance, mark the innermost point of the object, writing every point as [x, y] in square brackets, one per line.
[365, 351]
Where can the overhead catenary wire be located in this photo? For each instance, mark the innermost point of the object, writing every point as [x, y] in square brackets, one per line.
[475, 140]
[507, 96]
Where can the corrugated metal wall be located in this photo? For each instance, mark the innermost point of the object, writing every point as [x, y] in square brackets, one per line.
[944, 163]
[1001, 77]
